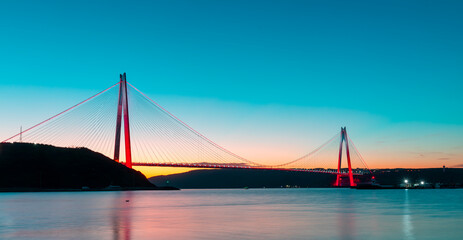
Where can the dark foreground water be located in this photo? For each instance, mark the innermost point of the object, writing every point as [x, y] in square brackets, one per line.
[234, 214]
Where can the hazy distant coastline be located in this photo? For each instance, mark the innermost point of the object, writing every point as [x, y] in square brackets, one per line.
[251, 178]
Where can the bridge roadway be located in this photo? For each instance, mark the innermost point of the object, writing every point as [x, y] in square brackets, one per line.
[210, 165]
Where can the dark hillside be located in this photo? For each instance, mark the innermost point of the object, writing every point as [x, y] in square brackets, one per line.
[253, 178]
[239, 178]
[449, 176]
[26, 165]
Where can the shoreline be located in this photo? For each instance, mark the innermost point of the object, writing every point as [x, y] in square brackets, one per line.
[165, 188]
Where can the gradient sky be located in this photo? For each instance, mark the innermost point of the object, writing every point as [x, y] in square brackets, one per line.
[266, 74]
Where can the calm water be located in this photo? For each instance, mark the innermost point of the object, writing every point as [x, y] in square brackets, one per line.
[234, 214]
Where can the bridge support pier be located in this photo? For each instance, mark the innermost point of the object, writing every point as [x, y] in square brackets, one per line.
[344, 139]
[123, 107]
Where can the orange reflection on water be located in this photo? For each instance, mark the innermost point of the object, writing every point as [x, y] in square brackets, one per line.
[121, 216]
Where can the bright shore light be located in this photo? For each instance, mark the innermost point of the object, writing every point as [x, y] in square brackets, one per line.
[406, 181]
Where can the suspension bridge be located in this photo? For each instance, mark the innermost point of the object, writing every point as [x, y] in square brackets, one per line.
[153, 136]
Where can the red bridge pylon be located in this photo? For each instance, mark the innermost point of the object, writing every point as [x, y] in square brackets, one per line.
[344, 139]
[123, 106]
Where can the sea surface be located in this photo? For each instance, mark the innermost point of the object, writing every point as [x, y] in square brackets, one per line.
[234, 214]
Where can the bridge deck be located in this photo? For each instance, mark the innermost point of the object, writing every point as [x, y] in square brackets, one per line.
[222, 166]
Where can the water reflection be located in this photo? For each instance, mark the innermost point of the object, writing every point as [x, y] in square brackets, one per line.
[346, 218]
[407, 218]
[121, 210]
[234, 214]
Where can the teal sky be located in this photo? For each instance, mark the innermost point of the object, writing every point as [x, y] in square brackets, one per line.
[389, 70]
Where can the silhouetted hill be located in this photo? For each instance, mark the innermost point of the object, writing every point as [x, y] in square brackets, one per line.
[239, 178]
[25, 165]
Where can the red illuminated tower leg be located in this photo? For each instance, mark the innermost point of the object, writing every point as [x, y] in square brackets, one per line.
[125, 105]
[338, 176]
[344, 139]
[351, 175]
[117, 144]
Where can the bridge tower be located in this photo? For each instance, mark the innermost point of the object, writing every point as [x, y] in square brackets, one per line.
[344, 139]
[123, 106]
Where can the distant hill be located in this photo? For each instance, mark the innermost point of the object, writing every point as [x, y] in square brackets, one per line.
[239, 178]
[26, 165]
[449, 176]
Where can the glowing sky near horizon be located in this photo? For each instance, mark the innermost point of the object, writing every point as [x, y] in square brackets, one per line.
[266, 79]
